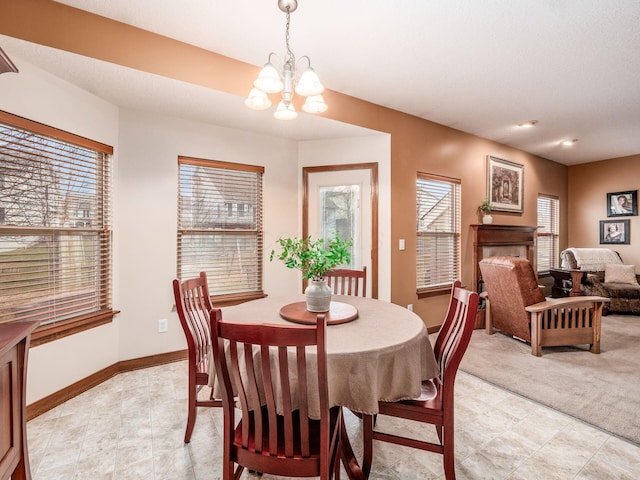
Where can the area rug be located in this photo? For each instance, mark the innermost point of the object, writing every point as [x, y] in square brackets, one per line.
[603, 390]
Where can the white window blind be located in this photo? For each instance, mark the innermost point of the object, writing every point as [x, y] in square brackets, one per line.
[548, 233]
[438, 231]
[55, 233]
[220, 225]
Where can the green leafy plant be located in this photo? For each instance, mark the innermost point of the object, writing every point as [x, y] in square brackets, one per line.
[313, 257]
[485, 207]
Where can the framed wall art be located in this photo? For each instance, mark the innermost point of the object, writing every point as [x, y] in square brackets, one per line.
[614, 231]
[505, 184]
[622, 204]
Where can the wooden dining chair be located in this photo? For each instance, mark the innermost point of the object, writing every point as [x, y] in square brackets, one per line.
[193, 305]
[270, 370]
[346, 281]
[435, 403]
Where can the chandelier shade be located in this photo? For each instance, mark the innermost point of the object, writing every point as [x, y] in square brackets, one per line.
[314, 104]
[285, 111]
[285, 81]
[257, 100]
[309, 83]
[269, 80]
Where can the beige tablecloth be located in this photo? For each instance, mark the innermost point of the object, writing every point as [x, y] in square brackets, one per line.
[382, 355]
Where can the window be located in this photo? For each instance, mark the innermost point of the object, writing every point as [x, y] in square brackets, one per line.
[52, 268]
[211, 237]
[340, 217]
[438, 232]
[548, 233]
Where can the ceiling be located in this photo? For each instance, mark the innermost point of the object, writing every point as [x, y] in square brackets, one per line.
[480, 67]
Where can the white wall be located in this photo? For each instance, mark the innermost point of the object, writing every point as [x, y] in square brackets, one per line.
[368, 149]
[39, 96]
[147, 193]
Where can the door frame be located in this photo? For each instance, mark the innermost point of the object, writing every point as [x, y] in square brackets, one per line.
[373, 169]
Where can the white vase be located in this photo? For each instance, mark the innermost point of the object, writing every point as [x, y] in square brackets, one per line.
[318, 295]
[487, 219]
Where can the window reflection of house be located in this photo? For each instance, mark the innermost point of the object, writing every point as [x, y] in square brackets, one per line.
[212, 211]
[35, 196]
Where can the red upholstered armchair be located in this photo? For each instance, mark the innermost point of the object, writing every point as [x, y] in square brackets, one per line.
[516, 306]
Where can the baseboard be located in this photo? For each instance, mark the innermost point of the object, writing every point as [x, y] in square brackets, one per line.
[47, 403]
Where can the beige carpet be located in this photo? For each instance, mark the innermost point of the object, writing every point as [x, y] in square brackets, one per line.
[603, 390]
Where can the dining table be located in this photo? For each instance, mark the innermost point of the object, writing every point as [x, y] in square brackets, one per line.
[376, 351]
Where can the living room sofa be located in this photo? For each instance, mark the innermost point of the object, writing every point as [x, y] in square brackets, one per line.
[607, 276]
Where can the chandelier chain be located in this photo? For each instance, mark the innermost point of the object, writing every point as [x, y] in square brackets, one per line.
[290, 56]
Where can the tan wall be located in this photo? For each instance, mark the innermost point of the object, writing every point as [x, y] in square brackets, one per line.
[416, 144]
[427, 147]
[589, 184]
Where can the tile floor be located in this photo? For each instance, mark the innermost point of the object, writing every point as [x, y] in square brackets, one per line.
[132, 426]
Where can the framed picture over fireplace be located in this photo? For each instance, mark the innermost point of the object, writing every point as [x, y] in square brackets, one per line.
[505, 184]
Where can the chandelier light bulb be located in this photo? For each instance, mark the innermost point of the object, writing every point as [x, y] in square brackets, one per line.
[314, 104]
[285, 112]
[257, 100]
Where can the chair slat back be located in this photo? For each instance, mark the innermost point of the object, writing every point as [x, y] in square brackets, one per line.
[268, 368]
[344, 281]
[193, 305]
[455, 332]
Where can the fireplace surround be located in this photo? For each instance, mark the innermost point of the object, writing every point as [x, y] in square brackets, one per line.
[493, 240]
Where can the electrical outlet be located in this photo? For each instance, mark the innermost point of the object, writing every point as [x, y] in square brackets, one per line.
[163, 325]
[410, 307]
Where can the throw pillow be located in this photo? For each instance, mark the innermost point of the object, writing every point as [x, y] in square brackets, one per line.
[620, 274]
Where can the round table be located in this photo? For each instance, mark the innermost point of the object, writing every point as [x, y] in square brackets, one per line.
[383, 355]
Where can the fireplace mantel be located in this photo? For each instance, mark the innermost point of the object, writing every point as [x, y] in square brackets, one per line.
[490, 239]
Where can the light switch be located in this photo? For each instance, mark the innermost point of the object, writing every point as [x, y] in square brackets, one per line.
[401, 246]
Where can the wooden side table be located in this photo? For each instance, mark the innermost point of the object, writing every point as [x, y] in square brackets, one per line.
[575, 277]
[14, 345]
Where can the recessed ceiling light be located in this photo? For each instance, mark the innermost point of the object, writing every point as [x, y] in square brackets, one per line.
[569, 143]
[528, 124]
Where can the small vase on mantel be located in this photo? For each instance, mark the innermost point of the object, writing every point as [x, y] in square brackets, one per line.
[487, 219]
[318, 295]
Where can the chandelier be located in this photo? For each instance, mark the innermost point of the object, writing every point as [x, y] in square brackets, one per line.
[271, 81]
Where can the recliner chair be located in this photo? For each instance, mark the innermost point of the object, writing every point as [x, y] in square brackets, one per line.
[517, 306]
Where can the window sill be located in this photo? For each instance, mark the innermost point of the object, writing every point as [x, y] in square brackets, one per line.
[433, 291]
[235, 299]
[56, 330]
